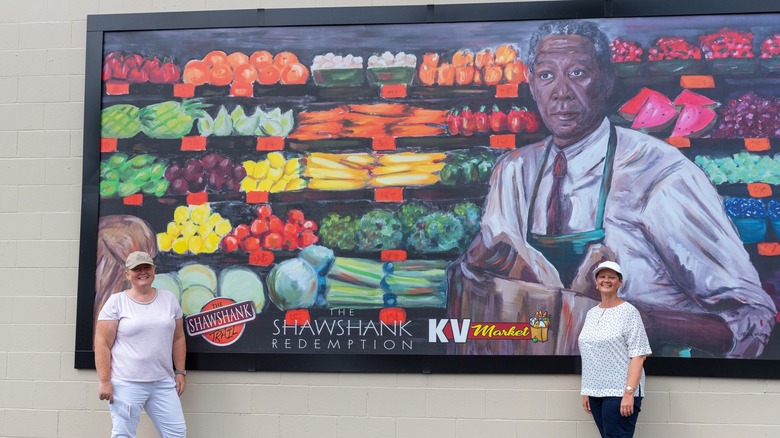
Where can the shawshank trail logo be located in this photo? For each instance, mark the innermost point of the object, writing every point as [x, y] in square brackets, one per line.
[221, 321]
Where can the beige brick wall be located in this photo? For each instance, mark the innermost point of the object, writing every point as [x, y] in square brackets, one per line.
[41, 395]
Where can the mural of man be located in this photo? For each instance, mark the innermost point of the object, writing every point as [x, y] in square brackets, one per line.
[592, 192]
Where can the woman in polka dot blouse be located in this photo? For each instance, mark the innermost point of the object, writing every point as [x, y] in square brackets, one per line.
[613, 344]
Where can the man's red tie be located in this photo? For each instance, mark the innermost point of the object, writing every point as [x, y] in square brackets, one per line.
[555, 206]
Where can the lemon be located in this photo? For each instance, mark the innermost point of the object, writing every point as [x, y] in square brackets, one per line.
[164, 241]
[200, 213]
[249, 166]
[265, 185]
[180, 245]
[210, 243]
[189, 229]
[205, 229]
[291, 166]
[173, 230]
[276, 160]
[214, 218]
[194, 244]
[248, 184]
[275, 173]
[278, 186]
[261, 169]
[181, 214]
[222, 227]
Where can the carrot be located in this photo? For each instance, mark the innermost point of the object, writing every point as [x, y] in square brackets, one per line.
[268, 74]
[425, 115]
[398, 130]
[195, 72]
[220, 74]
[381, 109]
[294, 74]
[215, 57]
[261, 58]
[307, 117]
[237, 58]
[245, 73]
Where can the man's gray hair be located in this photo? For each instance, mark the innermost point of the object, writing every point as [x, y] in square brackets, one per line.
[573, 27]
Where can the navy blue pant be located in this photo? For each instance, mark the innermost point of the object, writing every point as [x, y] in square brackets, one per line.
[606, 412]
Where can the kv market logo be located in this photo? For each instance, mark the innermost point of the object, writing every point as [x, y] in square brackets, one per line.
[461, 331]
[221, 321]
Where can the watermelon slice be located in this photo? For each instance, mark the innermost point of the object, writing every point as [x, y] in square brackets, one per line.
[690, 98]
[694, 121]
[656, 114]
[630, 109]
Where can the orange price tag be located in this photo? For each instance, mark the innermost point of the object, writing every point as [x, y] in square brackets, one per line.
[389, 194]
[241, 89]
[769, 248]
[506, 90]
[697, 81]
[393, 255]
[184, 90]
[270, 143]
[297, 317]
[392, 315]
[679, 142]
[759, 190]
[137, 199]
[108, 144]
[383, 143]
[261, 258]
[393, 91]
[198, 198]
[257, 197]
[193, 143]
[757, 144]
[117, 88]
[503, 141]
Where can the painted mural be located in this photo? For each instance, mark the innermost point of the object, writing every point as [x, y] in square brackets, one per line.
[384, 189]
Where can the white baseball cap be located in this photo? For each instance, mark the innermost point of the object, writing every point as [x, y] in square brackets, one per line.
[138, 258]
[608, 265]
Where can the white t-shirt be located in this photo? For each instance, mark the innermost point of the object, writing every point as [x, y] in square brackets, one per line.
[609, 339]
[143, 348]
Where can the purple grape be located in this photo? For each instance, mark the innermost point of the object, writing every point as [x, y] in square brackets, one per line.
[216, 181]
[193, 169]
[239, 172]
[198, 184]
[178, 186]
[173, 172]
[211, 160]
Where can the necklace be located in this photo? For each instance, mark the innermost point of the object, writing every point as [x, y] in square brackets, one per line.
[601, 315]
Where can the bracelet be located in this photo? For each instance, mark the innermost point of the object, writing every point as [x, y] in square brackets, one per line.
[182, 372]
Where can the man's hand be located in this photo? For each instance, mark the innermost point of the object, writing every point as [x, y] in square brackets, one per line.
[106, 391]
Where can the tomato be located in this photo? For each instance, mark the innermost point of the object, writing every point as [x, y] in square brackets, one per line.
[171, 72]
[515, 120]
[275, 224]
[498, 121]
[150, 64]
[137, 75]
[259, 226]
[453, 122]
[290, 243]
[309, 225]
[229, 243]
[241, 231]
[306, 238]
[250, 244]
[272, 241]
[290, 230]
[481, 123]
[264, 211]
[295, 216]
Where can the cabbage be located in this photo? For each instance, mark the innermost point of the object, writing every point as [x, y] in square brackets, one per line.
[292, 284]
[242, 284]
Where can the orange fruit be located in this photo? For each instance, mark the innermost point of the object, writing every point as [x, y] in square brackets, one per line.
[237, 58]
[221, 74]
[215, 57]
[195, 72]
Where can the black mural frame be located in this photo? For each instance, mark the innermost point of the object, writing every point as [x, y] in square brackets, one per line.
[97, 25]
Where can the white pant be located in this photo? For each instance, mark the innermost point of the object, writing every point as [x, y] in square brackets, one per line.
[160, 401]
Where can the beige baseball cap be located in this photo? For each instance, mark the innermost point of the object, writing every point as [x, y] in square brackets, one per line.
[608, 265]
[138, 258]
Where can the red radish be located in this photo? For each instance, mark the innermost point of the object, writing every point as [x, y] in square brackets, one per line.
[656, 114]
[694, 121]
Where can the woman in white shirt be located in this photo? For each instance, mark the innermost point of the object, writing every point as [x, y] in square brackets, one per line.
[139, 338]
[613, 345]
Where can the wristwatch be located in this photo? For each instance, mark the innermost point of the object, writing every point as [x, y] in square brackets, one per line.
[629, 389]
[182, 372]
